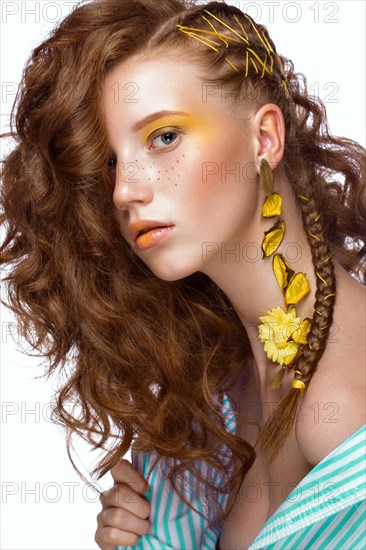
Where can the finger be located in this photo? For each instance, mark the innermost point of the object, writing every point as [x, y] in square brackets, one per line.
[122, 496]
[124, 472]
[108, 538]
[123, 519]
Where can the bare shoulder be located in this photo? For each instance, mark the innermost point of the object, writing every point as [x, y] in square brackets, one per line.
[333, 407]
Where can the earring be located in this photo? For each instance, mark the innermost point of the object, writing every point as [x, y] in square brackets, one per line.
[266, 178]
[281, 331]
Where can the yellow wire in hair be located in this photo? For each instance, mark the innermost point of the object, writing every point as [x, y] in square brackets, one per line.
[321, 278]
[242, 28]
[227, 26]
[233, 66]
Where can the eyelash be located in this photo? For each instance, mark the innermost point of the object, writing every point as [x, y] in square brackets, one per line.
[158, 133]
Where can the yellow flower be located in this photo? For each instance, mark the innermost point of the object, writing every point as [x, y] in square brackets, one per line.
[283, 334]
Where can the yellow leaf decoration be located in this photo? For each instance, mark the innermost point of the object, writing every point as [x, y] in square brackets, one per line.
[277, 379]
[266, 178]
[297, 289]
[282, 271]
[272, 238]
[300, 335]
[272, 206]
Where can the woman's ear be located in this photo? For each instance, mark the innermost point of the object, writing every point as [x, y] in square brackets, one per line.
[269, 127]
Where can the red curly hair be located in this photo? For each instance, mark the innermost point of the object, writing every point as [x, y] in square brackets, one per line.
[144, 357]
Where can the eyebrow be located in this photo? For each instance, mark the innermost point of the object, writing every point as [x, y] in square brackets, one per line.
[154, 116]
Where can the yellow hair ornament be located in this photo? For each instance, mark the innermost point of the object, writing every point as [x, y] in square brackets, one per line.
[269, 47]
[314, 236]
[246, 63]
[321, 278]
[221, 36]
[328, 296]
[256, 31]
[233, 66]
[259, 60]
[205, 41]
[227, 26]
[252, 57]
[299, 385]
[242, 28]
[255, 66]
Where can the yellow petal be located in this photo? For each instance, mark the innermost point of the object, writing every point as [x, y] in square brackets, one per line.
[300, 335]
[272, 206]
[289, 353]
[272, 351]
[272, 238]
[297, 289]
[282, 271]
[264, 332]
[281, 356]
[277, 380]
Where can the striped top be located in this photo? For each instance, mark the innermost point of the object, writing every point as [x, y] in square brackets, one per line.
[325, 511]
[175, 526]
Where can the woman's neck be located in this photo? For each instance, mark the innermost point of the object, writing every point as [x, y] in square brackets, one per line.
[249, 281]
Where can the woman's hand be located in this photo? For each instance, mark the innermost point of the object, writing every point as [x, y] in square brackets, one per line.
[125, 511]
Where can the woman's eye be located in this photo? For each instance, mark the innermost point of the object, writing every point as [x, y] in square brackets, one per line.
[164, 140]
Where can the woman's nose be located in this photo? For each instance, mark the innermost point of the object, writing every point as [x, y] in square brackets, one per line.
[132, 185]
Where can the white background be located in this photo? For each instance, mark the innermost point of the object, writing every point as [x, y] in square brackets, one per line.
[44, 504]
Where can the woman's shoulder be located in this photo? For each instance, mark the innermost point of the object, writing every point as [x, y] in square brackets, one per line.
[333, 407]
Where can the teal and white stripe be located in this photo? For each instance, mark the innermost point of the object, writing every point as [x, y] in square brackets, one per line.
[327, 509]
[174, 525]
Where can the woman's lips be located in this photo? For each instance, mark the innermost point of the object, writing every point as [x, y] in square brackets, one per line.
[152, 237]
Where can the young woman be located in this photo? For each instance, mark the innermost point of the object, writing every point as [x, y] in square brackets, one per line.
[195, 236]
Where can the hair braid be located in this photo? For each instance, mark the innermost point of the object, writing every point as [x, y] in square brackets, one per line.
[275, 431]
[325, 292]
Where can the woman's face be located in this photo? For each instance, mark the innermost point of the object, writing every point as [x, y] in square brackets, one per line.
[184, 159]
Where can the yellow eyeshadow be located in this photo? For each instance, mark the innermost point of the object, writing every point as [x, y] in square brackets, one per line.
[170, 121]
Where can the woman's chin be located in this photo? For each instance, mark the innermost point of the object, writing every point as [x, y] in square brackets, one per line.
[168, 271]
